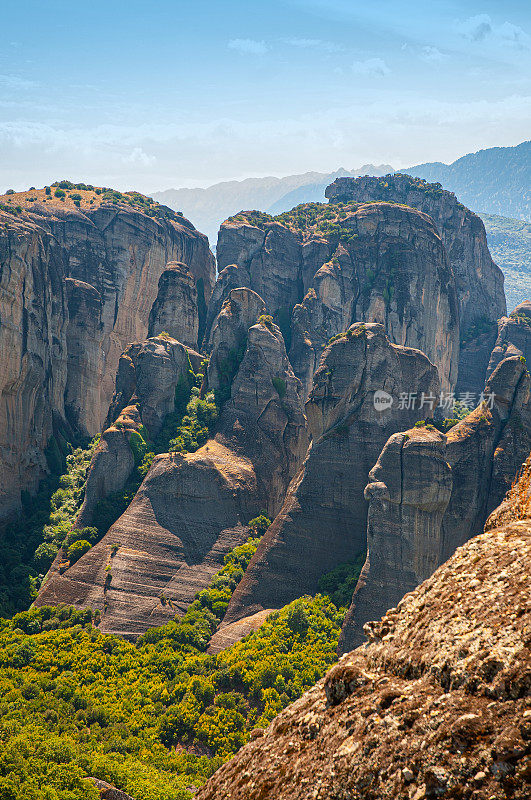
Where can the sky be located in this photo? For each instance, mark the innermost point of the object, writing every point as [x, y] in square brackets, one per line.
[153, 95]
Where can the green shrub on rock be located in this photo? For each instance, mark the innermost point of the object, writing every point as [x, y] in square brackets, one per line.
[78, 549]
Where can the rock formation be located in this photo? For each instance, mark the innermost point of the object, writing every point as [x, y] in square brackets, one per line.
[33, 348]
[78, 280]
[435, 705]
[192, 509]
[176, 311]
[325, 267]
[121, 251]
[430, 493]
[228, 337]
[514, 336]
[479, 282]
[323, 520]
[148, 374]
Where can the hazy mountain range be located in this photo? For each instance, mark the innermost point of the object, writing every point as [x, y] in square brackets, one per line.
[493, 181]
[496, 182]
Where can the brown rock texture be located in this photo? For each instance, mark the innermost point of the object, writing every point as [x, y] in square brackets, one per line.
[33, 349]
[192, 509]
[322, 268]
[76, 287]
[323, 520]
[122, 253]
[435, 705]
[112, 463]
[176, 311]
[108, 791]
[479, 282]
[430, 493]
[230, 634]
[83, 338]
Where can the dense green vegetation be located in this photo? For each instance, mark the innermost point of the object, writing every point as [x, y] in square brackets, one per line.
[339, 584]
[156, 717]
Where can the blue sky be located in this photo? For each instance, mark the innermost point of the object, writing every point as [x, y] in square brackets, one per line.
[161, 94]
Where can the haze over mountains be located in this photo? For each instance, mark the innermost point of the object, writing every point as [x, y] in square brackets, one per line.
[495, 181]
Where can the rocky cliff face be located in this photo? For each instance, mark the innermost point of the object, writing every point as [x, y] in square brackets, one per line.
[320, 268]
[429, 493]
[33, 348]
[148, 374]
[192, 509]
[514, 336]
[435, 705]
[479, 282]
[176, 310]
[122, 252]
[78, 281]
[323, 520]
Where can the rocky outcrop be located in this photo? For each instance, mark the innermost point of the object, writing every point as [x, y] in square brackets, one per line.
[229, 278]
[33, 349]
[514, 336]
[323, 520]
[191, 509]
[228, 337]
[77, 286]
[479, 282]
[108, 791]
[148, 374]
[122, 252]
[430, 493]
[230, 634]
[408, 492]
[176, 311]
[435, 705]
[489, 343]
[320, 268]
[83, 338]
[474, 356]
[112, 464]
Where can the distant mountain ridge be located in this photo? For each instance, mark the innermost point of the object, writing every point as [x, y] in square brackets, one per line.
[492, 181]
[209, 207]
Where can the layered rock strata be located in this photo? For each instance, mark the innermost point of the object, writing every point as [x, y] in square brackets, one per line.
[429, 493]
[436, 704]
[320, 268]
[192, 509]
[323, 520]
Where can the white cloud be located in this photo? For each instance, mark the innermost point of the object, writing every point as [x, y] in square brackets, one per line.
[138, 156]
[481, 29]
[432, 54]
[371, 66]
[314, 44]
[248, 46]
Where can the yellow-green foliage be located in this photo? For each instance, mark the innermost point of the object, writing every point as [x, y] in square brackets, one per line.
[76, 702]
